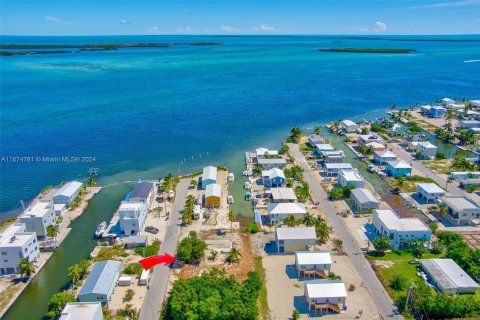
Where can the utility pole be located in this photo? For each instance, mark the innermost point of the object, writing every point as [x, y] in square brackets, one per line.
[409, 295]
[23, 204]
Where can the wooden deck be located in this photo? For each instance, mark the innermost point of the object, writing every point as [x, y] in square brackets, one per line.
[315, 273]
[329, 306]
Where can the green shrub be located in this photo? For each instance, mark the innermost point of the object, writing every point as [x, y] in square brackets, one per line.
[151, 250]
[253, 227]
[133, 268]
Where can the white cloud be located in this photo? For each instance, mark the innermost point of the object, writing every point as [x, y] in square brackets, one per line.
[186, 30]
[380, 26]
[55, 19]
[444, 5]
[154, 30]
[123, 21]
[264, 28]
[228, 29]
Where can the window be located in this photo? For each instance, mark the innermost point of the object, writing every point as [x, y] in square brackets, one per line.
[4, 253]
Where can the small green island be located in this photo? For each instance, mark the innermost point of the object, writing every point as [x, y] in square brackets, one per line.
[367, 50]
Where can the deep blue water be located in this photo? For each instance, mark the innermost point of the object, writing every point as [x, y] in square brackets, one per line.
[143, 111]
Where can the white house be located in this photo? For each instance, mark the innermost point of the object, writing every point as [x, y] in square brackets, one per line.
[461, 210]
[16, 244]
[447, 101]
[142, 192]
[82, 311]
[375, 146]
[59, 208]
[313, 263]
[425, 109]
[430, 192]
[475, 103]
[132, 217]
[332, 169]
[462, 175]
[363, 199]
[447, 276]
[314, 139]
[38, 217]
[467, 124]
[350, 178]
[413, 136]
[282, 195]
[272, 163]
[426, 150]
[456, 106]
[319, 148]
[295, 239]
[381, 157]
[367, 138]
[277, 212]
[67, 193]
[325, 295]
[400, 231]
[209, 176]
[397, 129]
[100, 283]
[336, 156]
[273, 178]
[348, 126]
[263, 152]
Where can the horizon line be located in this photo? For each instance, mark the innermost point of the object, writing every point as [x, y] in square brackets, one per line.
[243, 35]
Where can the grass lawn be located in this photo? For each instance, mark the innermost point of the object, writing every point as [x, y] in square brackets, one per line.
[440, 166]
[264, 312]
[108, 253]
[410, 183]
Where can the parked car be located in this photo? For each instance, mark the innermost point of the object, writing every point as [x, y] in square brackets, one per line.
[171, 194]
[151, 229]
[414, 261]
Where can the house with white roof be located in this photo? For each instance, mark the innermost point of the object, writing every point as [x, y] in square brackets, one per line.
[67, 193]
[313, 263]
[272, 163]
[282, 195]
[467, 124]
[132, 216]
[430, 192]
[314, 139]
[367, 138]
[475, 103]
[427, 150]
[425, 109]
[462, 175]
[363, 199]
[400, 231]
[336, 156]
[82, 311]
[263, 152]
[289, 240]
[319, 148]
[437, 112]
[325, 295]
[273, 178]
[461, 210]
[348, 126]
[277, 212]
[59, 208]
[398, 168]
[350, 178]
[456, 106]
[447, 101]
[17, 244]
[213, 195]
[100, 283]
[375, 146]
[447, 276]
[38, 217]
[209, 176]
[380, 157]
[332, 169]
[397, 129]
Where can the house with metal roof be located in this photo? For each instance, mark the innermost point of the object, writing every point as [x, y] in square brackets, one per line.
[397, 129]
[142, 192]
[132, 216]
[367, 138]
[328, 296]
[447, 101]
[475, 103]
[135, 241]
[447, 276]
[398, 168]
[267, 163]
[375, 146]
[332, 169]
[277, 212]
[289, 240]
[313, 263]
[319, 148]
[101, 282]
[456, 106]
[400, 231]
[39, 217]
[381, 157]
[425, 109]
[427, 150]
[273, 178]
[314, 139]
[282, 195]
[467, 124]
[209, 176]
[430, 192]
[461, 210]
[213, 195]
[67, 193]
[336, 156]
[350, 178]
[363, 199]
[437, 112]
[348, 126]
[263, 152]
[82, 311]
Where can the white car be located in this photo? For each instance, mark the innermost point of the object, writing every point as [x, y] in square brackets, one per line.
[171, 194]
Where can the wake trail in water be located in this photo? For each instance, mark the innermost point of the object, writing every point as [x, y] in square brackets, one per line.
[471, 61]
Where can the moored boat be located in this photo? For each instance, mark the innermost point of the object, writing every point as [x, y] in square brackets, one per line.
[101, 228]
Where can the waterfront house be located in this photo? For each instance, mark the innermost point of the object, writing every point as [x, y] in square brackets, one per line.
[474, 130]
[350, 178]
[264, 152]
[313, 263]
[315, 139]
[380, 157]
[430, 192]
[325, 295]
[427, 150]
[282, 195]
[447, 276]
[467, 124]
[213, 195]
[461, 210]
[398, 168]
[475, 103]
[400, 231]
[273, 178]
[410, 136]
[412, 146]
[456, 106]
[447, 101]
[437, 112]
[142, 192]
[319, 148]
[289, 240]
[332, 169]
[375, 146]
[397, 129]
[136, 241]
[67, 193]
[425, 109]
[277, 212]
[16, 244]
[363, 199]
[59, 208]
[82, 311]
[336, 156]
[348, 126]
[38, 217]
[462, 175]
[209, 176]
[132, 216]
[367, 138]
[101, 282]
[272, 163]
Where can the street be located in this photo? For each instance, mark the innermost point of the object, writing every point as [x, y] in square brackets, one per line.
[381, 298]
[153, 302]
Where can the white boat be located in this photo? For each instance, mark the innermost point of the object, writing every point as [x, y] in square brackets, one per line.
[245, 173]
[247, 185]
[231, 177]
[101, 228]
[230, 199]
[371, 168]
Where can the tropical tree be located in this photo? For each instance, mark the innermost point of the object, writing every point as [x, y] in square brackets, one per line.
[365, 130]
[296, 133]
[309, 220]
[26, 268]
[284, 149]
[75, 273]
[57, 302]
[398, 283]
[191, 248]
[290, 221]
[232, 216]
[322, 230]
[257, 167]
[317, 130]
[213, 255]
[399, 183]
[53, 230]
[234, 255]
[442, 209]
[90, 181]
[382, 244]
[434, 227]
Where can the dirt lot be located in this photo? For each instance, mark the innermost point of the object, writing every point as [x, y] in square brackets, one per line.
[473, 239]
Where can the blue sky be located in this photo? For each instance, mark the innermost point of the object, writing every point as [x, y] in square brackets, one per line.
[125, 17]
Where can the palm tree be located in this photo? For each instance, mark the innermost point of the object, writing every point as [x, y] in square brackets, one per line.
[442, 209]
[323, 232]
[296, 133]
[91, 181]
[317, 130]
[257, 167]
[75, 273]
[291, 221]
[52, 231]
[232, 216]
[26, 268]
[309, 220]
[213, 255]
[234, 255]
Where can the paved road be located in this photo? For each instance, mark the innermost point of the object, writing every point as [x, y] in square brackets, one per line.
[152, 304]
[381, 298]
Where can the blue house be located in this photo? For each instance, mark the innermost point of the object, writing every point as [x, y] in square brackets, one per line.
[398, 168]
[273, 178]
[437, 112]
[319, 148]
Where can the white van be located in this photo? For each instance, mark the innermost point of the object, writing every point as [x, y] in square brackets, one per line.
[124, 281]
[144, 278]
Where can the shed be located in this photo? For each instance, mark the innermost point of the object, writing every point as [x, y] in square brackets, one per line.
[213, 195]
[447, 276]
[135, 241]
[363, 199]
[100, 282]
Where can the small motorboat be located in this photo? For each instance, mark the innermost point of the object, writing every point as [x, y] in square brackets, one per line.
[101, 228]
[230, 199]
[371, 168]
[247, 185]
[248, 196]
[245, 173]
[231, 177]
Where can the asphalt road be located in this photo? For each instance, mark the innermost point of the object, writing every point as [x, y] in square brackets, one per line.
[152, 304]
[378, 293]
